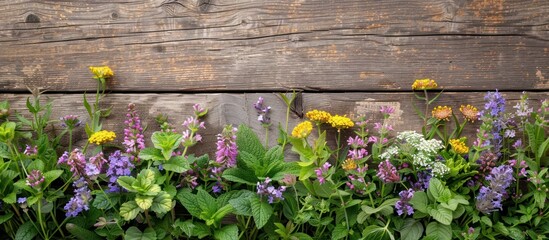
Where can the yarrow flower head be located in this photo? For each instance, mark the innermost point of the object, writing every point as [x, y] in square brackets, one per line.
[266, 189]
[302, 130]
[387, 172]
[102, 137]
[101, 72]
[458, 145]
[134, 140]
[318, 116]
[262, 112]
[424, 84]
[70, 121]
[341, 122]
[349, 164]
[81, 199]
[470, 113]
[119, 165]
[403, 206]
[442, 113]
[35, 178]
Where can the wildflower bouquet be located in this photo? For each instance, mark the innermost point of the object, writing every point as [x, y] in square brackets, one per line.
[352, 178]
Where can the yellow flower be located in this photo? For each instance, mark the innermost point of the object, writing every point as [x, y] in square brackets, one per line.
[102, 137]
[459, 146]
[442, 113]
[424, 84]
[349, 164]
[341, 122]
[469, 112]
[318, 116]
[302, 130]
[101, 72]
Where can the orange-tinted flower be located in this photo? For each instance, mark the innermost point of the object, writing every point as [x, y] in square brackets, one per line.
[424, 84]
[318, 116]
[469, 112]
[459, 146]
[442, 113]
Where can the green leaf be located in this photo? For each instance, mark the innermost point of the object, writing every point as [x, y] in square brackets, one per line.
[5, 218]
[240, 176]
[440, 192]
[374, 232]
[261, 212]
[486, 221]
[4, 151]
[189, 201]
[247, 141]
[129, 210]
[227, 233]
[275, 154]
[201, 230]
[133, 233]
[339, 232]
[126, 182]
[101, 201]
[162, 203]
[441, 214]
[224, 198]
[26, 231]
[187, 226]
[242, 205]
[412, 230]
[81, 233]
[499, 227]
[36, 165]
[516, 234]
[444, 232]
[386, 208]
[167, 142]
[540, 197]
[176, 164]
[51, 176]
[419, 201]
[87, 105]
[151, 154]
[144, 202]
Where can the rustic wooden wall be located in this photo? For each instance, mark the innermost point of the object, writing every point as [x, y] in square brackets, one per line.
[348, 56]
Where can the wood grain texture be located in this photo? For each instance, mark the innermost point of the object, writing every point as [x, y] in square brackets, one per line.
[237, 109]
[270, 45]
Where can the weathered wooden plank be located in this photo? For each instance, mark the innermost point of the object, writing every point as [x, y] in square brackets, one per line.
[237, 109]
[195, 46]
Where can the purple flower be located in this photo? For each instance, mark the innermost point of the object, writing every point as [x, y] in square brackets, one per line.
[76, 161]
[266, 189]
[403, 206]
[490, 197]
[356, 142]
[193, 124]
[29, 151]
[517, 144]
[262, 112]
[81, 199]
[91, 171]
[119, 165]
[492, 117]
[199, 111]
[70, 121]
[322, 172]
[35, 178]
[225, 156]
[217, 187]
[387, 110]
[134, 140]
[98, 161]
[423, 179]
[387, 172]
[21, 200]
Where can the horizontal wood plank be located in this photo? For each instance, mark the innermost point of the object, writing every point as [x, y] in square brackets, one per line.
[237, 109]
[216, 46]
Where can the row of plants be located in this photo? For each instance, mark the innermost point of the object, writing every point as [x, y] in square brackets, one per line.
[371, 183]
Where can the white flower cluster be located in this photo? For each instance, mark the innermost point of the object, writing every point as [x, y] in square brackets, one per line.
[422, 151]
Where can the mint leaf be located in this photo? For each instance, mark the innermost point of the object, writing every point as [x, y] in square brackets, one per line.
[261, 211]
[167, 142]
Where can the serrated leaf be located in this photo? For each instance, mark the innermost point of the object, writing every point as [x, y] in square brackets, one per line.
[129, 210]
[167, 142]
[151, 154]
[339, 232]
[189, 201]
[441, 214]
[144, 202]
[499, 227]
[126, 182]
[162, 203]
[26, 231]
[201, 230]
[385, 208]
[187, 226]
[486, 221]
[51, 176]
[207, 203]
[440, 192]
[81, 233]
[373, 232]
[240, 176]
[227, 233]
[412, 230]
[247, 141]
[37, 164]
[443, 232]
[101, 201]
[4, 151]
[261, 211]
[516, 234]
[133, 233]
[420, 201]
[242, 206]
[176, 164]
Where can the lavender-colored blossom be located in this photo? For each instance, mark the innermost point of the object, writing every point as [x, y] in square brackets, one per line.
[81, 199]
[35, 178]
[492, 115]
[217, 187]
[98, 161]
[517, 144]
[357, 148]
[76, 161]
[321, 172]
[423, 180]
[29, 151]
[387, 110]
[268, 190]
[225, 156]
[70, 121]
[190, 138]
[119, 165]
[522, 109]
[134, 140]
[199, 111]
[403, 206]
[387, 172]
[193, 124]
[491, 196]
[21, 200]
[262, 112]
[356, 142]
[91, 171]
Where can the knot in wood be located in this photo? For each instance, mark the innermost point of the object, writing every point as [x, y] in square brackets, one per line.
[31, 18]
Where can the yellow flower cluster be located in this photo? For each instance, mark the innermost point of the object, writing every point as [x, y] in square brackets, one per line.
[459, 146]
[318, 116]
[442, 113]
[302, 130]
[349, 164]
[424, 84]
[102, 137]
[469, 112]
[341, 122]
[101, 72]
